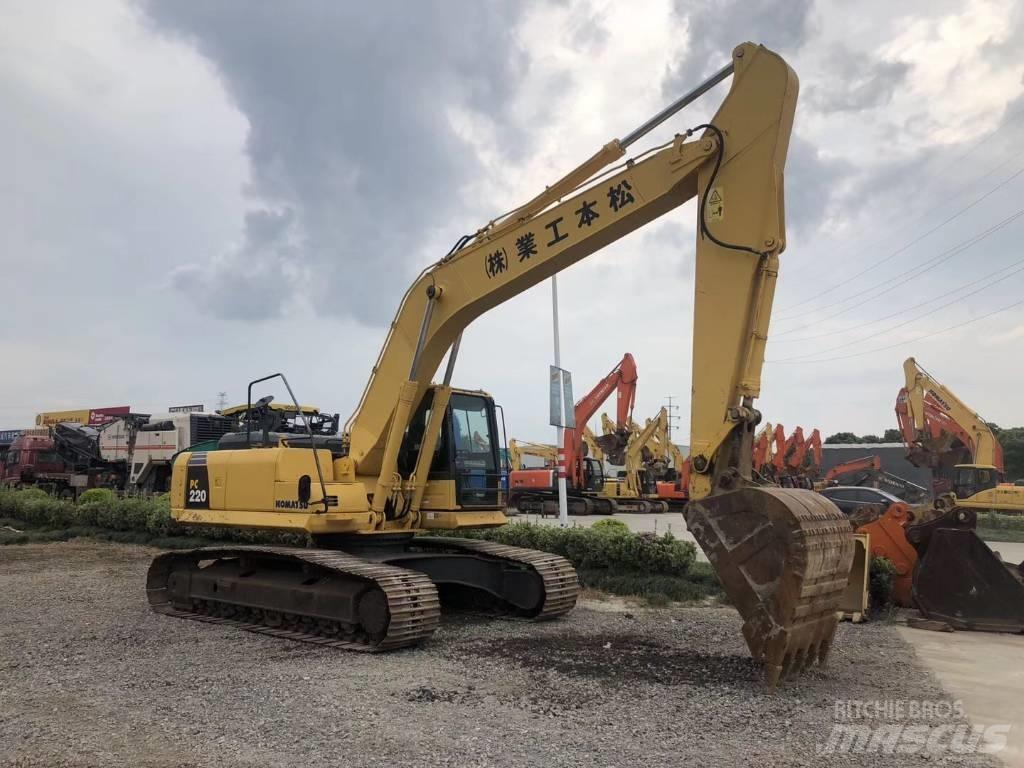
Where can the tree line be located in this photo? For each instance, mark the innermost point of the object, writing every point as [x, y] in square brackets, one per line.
[1012, 440]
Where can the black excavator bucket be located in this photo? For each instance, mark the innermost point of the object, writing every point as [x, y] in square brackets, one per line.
[613, 445]
[783, 556]
[960, 581]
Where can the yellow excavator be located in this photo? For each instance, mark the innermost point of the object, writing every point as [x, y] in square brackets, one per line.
[636, 490]
[519, 448]
[593, 450]
[931, 416]
[958, 580]
[417, 456]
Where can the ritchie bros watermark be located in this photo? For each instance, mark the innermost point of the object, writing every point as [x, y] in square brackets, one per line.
[907, 726]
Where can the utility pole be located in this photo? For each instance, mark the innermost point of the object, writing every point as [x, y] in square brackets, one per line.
[563, 502]
[672, 417]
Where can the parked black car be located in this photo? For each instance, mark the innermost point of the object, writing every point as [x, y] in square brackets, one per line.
[850, 497]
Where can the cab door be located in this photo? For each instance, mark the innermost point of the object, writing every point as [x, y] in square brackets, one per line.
[474, 450]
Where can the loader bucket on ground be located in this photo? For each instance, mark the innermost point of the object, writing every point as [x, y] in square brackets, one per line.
[854, 604]
[783, 556]
[889, 540]
[960, 581]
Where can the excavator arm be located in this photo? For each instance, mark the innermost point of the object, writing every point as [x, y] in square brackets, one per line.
[636, 448]
[741, 234]
[622, 380]
[517, 449]
[854, 466]
[783, 555]
[590, 440]
[763, 452]
[926, 397]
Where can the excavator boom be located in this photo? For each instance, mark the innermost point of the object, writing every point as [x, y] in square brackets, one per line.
[622, 380]
[927, 402]
[783, 555]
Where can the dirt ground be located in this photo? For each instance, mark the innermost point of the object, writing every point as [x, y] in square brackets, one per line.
[90, 677]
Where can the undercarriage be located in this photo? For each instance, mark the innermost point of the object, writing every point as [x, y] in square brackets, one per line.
[368, 593]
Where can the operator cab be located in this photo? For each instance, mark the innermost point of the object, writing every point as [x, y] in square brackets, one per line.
[593, 475]
[969, 479]
[467, 451]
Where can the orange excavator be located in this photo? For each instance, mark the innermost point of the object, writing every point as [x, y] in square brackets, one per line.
[942, 443]
[803, 462]
[536, 490]
[853, 470]
[763, 452]
[867, 471]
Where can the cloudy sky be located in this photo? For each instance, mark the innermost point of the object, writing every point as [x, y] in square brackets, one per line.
[199, 193]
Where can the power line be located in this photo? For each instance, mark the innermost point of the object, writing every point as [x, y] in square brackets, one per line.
[965, 186]
[941, 258]
[964, 189]
[894, 327]
[904, 247]
[907, 341]
[904, 310]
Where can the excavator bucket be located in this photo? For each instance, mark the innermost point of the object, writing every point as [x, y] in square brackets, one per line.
[783, 556]
[960, 581]
[854, 605]
[614, 445]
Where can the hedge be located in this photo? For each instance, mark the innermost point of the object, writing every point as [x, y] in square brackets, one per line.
[608, 557]
[1000, 522]
[597, 548]
[99, 509]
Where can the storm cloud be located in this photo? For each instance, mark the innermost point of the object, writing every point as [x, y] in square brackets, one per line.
[714, 28]
[866, 82]
[355, 166]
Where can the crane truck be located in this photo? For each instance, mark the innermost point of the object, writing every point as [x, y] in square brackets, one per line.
[407, 462]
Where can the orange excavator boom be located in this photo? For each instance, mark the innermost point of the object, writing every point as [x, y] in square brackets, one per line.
[622, 380]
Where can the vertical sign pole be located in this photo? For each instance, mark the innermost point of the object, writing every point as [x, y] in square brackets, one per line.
[563, 504]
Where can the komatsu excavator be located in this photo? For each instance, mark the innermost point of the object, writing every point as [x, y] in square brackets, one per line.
[417, 456]
[958, 579]
[929, 407]
[636, 490]
[517, 449]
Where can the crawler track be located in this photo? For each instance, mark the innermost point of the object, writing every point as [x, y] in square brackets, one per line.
[413, 610]
[561, 587]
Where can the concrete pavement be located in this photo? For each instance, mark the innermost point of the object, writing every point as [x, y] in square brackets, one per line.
[984, 671]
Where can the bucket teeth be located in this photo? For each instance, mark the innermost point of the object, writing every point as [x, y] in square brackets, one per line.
[783, 556]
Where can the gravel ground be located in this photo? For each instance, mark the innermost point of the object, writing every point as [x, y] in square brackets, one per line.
[89, 676]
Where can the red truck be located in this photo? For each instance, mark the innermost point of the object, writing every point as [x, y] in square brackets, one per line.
[33, 460]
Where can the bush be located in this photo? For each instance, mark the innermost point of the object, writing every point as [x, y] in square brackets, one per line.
[880, 577]
[611, 524]
[104, 495]
[597, 548]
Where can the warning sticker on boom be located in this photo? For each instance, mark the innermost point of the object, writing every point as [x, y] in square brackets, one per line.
[715, 208]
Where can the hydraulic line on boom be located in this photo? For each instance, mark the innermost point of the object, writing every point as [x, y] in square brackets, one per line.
[417, 455]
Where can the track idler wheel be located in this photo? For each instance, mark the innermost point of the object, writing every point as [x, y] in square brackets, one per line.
[783, 556]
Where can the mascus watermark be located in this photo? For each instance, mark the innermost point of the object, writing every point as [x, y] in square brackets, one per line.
[902, 726]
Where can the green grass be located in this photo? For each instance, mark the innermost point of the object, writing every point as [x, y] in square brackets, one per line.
[1000, 534]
